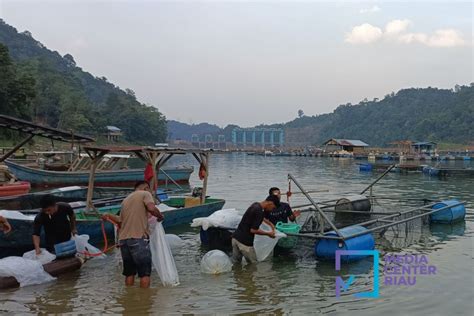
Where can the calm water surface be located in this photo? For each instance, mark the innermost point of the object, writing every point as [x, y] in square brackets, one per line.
[295, 283]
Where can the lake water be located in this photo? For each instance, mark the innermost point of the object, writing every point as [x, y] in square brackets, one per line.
[296, 283]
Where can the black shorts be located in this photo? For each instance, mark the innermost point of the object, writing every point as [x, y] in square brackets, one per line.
[136, 256]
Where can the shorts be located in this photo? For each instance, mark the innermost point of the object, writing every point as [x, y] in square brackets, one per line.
[136, 256]
[240, 250]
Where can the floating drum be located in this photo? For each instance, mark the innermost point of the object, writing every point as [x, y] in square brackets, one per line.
[365, 167]
[359, 203]
[325, 249]
[450, 214]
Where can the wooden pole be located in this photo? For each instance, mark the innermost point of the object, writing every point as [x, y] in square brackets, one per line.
[14, 149]
[95, 157]
[205, 160]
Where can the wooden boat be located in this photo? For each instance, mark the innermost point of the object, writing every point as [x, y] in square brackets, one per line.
[31, 201]
[89, 223]
[14, 188]
[103, 178]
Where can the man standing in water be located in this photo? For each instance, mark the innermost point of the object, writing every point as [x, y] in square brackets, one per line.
[243, 237]
[134, 233]
[282, 213]
[58, 221]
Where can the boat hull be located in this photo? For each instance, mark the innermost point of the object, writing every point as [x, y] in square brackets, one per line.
[16, 188]
[107, 178]
[20, 236]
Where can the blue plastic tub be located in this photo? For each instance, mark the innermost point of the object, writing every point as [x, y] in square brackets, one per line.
[449, 215]
[65, 249]
[325, 249]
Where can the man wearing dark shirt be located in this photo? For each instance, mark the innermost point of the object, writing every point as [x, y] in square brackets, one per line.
[243, 237]
[58, 221]
[283, 212]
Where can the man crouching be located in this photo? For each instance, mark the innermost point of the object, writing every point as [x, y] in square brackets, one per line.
[134, 233]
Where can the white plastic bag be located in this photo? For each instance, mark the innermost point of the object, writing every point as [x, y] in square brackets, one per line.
[26, 272]
[174, 241]
[85, 249]
[44, 257]
[215, 262]
[228, 218]
[264, 245]
[161, 255]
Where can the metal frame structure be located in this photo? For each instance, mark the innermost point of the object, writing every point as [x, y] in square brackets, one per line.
[380, 223]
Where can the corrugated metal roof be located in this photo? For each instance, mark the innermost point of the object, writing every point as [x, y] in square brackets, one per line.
[113, 128]
[351, 142]
[423, 143]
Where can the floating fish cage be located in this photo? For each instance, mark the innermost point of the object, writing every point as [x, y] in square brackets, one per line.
[360, 236]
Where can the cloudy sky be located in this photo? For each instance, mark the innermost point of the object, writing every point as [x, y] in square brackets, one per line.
[256, 62]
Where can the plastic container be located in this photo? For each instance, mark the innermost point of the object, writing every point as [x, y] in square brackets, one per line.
[365, 167]
[449, 215]
[65, 249]
[290, 241]
[325, 249]
[162, 195]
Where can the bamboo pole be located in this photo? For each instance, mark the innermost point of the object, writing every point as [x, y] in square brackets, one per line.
[378, 179]
[14, 149]
[205, 159]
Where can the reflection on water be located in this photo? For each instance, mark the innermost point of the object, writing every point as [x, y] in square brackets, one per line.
[294, 282]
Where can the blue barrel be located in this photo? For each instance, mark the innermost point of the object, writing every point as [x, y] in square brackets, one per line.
[325, 249]
[466, 158]
[65, 249]
[365, 167]
[449, 215]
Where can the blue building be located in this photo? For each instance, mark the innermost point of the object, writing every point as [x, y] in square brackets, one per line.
[258, 137]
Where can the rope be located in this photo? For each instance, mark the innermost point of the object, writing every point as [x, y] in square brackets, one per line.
[106, 242]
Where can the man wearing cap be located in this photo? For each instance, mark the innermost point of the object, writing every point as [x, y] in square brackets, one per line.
[243, 237]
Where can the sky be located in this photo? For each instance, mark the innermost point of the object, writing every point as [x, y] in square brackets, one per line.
[248, 63]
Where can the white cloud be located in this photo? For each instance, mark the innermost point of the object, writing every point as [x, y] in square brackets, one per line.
[396, 31]
[396, 27]
[364, 34]
[370, 10]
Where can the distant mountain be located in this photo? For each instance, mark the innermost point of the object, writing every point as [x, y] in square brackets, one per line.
[183, 131]
[52, 89]
[439, 115]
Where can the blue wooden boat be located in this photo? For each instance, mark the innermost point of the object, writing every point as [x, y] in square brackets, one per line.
[88, 223]
[103, 178]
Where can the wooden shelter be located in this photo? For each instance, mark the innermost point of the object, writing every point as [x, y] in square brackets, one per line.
[33, 130]
[156, 156]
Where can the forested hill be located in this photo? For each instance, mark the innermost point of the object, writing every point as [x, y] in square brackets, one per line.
[433, 114]
[39, 84]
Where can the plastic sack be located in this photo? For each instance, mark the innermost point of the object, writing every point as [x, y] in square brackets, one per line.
[161, 255]
[215, 262]
[16, 215]
[174, 241]
[228, 218]
[26, 272]
[85, 249]
[44, 257]
[264, 245]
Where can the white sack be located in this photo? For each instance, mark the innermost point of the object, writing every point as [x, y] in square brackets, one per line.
[229, 218]
[44, 257]
[16, 215]
[83, 247]
[26, 272]
[215, 262]
[161, 255]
